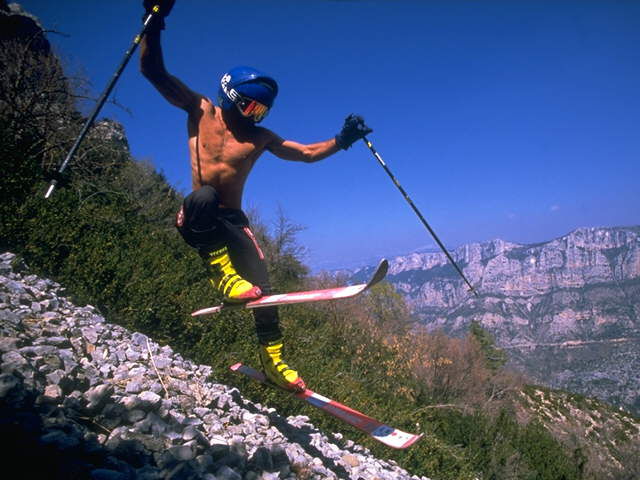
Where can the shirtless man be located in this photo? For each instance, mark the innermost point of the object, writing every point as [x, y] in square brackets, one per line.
[224, 144]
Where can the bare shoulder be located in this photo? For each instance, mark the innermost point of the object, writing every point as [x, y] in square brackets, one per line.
[204, 107]
[268, 138]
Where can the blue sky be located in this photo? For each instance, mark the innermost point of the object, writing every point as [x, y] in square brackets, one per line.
[502, 119]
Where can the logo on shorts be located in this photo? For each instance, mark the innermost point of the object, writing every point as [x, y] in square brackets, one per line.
[180, 217]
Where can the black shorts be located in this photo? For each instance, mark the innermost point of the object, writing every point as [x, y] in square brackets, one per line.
[207, 227]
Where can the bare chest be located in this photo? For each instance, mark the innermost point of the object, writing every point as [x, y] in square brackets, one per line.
[211, 141]
[221, 156]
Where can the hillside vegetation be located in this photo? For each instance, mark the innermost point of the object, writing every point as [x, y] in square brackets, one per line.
[107, 236]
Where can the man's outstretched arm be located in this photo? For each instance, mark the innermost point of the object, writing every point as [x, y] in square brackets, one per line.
[152, 67]
[298, 152]
[353, 129]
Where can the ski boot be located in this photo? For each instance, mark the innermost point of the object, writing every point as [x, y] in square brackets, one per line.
[227, 281]
[276, 370]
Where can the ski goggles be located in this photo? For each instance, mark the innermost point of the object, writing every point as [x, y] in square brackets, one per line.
[250, 108]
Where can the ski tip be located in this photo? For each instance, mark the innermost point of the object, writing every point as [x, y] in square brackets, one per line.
[413, 440]
[394, 437]
[380, 273]
[384, 265]
[400, 440]
[207, 311]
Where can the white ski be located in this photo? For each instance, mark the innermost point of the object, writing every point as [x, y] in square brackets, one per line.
[303, 297]
[392, 437]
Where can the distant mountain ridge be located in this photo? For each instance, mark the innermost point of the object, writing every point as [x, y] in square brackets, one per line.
[567, 310]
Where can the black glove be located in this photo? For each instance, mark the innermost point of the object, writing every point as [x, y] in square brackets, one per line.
[353, 129]
[157, 22]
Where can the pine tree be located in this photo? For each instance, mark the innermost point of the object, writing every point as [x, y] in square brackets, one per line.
[495, 357]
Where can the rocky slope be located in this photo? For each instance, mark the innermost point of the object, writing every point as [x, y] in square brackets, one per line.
[567, 310]
[80, 398]
[609, 439]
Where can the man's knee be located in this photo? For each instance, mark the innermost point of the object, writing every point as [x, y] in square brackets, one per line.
[198, 219]
[201, 208]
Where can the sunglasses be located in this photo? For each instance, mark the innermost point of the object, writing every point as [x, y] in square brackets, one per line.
[253, 109]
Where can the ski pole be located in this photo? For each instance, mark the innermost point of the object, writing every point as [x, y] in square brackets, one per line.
[420, 216]
[102, 100]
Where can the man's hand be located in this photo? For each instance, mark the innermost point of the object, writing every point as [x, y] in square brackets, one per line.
[165, 6]
[157, 23]
[353, 129]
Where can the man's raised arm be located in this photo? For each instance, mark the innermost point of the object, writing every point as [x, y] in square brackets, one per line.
[152, 63]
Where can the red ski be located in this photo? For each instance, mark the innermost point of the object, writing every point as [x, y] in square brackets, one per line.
[390, 436]
[302, 297]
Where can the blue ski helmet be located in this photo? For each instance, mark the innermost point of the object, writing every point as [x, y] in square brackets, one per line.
[250, 90]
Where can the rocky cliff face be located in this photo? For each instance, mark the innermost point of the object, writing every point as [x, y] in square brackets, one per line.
[567, 310]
